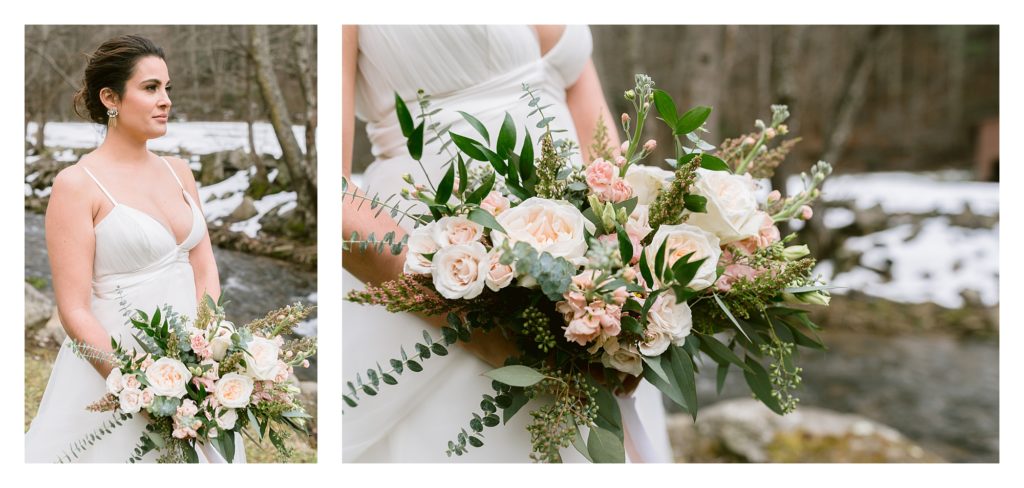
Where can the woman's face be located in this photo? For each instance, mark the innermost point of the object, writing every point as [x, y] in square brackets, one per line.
[146, 102]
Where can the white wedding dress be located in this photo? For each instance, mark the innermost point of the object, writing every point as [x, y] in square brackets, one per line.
[478, 70]
[137, 262]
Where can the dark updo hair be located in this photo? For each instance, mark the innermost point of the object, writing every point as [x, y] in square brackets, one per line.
[110, 66]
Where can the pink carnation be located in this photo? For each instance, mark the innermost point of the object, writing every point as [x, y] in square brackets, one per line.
[734, 273]
[582, 330]
[619, 191]
[600, 176]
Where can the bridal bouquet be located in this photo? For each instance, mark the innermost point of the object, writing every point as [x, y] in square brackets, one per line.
[604, 273]
[203, 381]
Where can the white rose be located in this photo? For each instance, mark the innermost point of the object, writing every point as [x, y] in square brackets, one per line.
[552, 226]
[168, 377]
[668, 323]
[130, 400]
[226, 418]
[222, 340]
[262, 361]
[421, 241]
[647, 181]
[499, 275]
[684, 239]
[233, 390]
[732, 205]
[622, 358]
[114, 381]
[460, 271]
[450, 231]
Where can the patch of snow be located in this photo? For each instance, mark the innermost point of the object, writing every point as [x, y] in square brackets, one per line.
[29, 160]
[915, 193]
[252, 226]
[838, 217]
[936, 264]
[306, 328]
[193, 137]
[32, 177]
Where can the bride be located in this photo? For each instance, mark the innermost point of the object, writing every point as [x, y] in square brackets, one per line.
[478, 70]
[123, 229]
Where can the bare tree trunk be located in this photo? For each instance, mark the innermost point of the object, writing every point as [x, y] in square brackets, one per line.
[277, 110]
[705, 45]
[301, 49]
[764, 66]
[260, 182]
[852, 96]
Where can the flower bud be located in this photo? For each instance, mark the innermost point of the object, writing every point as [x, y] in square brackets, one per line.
[748, 141]
[406, 177]
[650, 145]
[815, 297]
[630, 94]
[769, 133]
[620, 161]
[608, 216]
[792, 253]
[806, 213]
[622, 216]
[783, 129]
[625, 118]
[629, 273]
[774, 196]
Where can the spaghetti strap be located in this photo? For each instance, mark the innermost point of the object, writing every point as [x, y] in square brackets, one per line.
[173, 173]
[104, 190]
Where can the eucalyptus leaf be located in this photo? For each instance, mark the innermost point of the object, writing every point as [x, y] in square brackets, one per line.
[517, 375]
[605, 447]
[485, 219]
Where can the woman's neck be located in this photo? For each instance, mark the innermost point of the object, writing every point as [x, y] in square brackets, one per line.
[128, 149]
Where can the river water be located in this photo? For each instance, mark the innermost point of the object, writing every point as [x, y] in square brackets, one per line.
[940, 390]
[254, 285]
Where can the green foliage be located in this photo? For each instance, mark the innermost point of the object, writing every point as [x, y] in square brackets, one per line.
[668, 206]
[456, 330]
[80, 446]
[552, 273]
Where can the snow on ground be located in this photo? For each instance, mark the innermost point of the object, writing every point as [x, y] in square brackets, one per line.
[251, 227]
[899, 192]
[220, 199]
[193, 137]
[935, 264]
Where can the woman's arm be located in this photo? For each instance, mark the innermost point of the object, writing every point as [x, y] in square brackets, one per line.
[369, 266]
[204, 267]
[586, 104]
[584, 98]
[71, 244]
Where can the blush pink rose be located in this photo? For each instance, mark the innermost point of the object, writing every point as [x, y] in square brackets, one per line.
[495, 203]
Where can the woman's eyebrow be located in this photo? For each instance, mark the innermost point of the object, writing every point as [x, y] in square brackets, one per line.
[157, 80]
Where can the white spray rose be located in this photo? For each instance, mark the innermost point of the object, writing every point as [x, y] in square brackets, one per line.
[500, 275]
[732, 212]
[114, 381]
[450, 231]
[668, 323]
[683, 239]
[168, 377]
[552, 226]
[647, 181]
[263, 364]
[222, 340]
[130, 400]
[233, 390]
[622, 357]
[460, 271]
[421, 241]
[226, 418]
